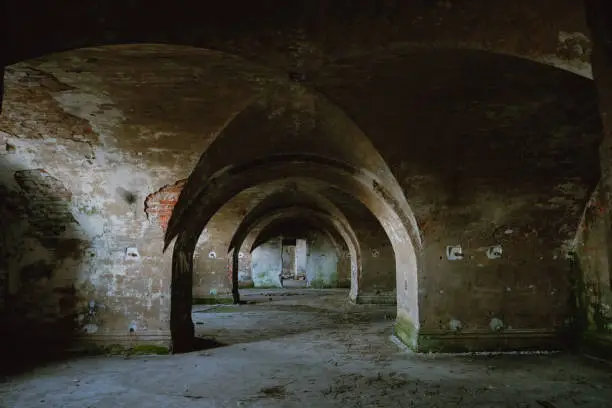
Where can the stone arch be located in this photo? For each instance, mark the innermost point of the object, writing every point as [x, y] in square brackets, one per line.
[289, 196]
[320, 238]
[303, 198]
[261, 232]
[337, 230]
[362, 185]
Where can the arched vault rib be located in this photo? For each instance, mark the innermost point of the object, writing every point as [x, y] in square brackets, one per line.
[290, 196]
[324, 219]
[318, 130]
[360, 184]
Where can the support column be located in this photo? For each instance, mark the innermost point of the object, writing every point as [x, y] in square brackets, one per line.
[235, 270]
[181, 324]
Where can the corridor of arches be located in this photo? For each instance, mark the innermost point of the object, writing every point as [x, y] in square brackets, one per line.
[292, 190]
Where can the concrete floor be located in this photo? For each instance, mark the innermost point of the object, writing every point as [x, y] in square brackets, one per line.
[309, 349]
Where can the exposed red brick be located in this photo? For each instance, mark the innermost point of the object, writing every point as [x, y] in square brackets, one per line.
[160, 204]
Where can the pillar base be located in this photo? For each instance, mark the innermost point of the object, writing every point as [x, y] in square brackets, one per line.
[486, 341]
[407, 332]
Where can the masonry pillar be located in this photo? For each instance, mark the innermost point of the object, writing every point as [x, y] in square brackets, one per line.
[599, 15]
[235, 282]
[181, 323]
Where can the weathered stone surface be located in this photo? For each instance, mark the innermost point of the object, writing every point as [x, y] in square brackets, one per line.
[100, 144]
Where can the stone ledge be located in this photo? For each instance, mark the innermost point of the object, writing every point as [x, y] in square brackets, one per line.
[159, 338]
[598, 345]
[376, 300]
[483, 341]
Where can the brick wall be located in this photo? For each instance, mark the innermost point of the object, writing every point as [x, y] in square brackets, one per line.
[159, 205]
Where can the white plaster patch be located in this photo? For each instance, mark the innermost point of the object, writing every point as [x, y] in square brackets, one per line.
[95, 108]
[132, 254]
[92, 224]
[455, 325]
[581, 68]
[496, 324]
[91, 328]
[494, 252]
[568, 247]
[454, 253]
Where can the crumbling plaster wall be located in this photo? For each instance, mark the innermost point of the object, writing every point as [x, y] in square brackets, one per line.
[267, 264]
[591, 275]
[86, 151]
[377, 257]
[453, 206]
[321, 262]
[496, 173]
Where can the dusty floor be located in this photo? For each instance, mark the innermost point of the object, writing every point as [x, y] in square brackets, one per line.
[309, 349]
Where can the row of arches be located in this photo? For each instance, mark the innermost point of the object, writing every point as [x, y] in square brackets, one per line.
[294, 171]
[288, 136]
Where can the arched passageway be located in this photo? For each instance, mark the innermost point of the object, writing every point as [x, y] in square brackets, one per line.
[184, 247]
[308, 255]
[404, 126]
[387, 168]
[299, 224]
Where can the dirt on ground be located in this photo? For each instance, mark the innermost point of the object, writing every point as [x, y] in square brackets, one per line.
[310, 349]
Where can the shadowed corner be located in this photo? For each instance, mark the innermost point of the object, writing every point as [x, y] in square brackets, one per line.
[1, 87]
[42, 308]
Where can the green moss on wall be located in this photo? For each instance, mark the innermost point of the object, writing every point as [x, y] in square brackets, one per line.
[320, 284]
[325, 279]
[406, 331]
[136, 350]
